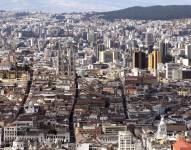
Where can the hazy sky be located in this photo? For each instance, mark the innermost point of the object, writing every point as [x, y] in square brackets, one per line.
[82, 5]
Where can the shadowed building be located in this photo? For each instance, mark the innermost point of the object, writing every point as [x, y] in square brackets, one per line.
[139, 60]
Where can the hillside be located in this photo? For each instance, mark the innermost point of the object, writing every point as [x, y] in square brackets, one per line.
[149, 13]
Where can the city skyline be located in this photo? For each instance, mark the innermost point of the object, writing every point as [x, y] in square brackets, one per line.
[81, 5]
[117, 80]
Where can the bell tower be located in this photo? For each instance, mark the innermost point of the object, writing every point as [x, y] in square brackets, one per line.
[65, 63]
[162, 131]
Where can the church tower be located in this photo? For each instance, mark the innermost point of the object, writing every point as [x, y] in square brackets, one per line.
[65, 63]
[162, 131]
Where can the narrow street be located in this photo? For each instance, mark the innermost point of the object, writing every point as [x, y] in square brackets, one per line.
[27, 91]
[71, 118]
[121, 87]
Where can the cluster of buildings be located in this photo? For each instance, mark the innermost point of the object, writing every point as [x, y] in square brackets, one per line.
[68, 82]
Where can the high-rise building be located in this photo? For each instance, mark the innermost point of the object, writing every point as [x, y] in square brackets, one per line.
[108, 41]
[149, 39]
[169, 69]
[188, 51]
[163, 49]
[150, 48]
[153, 60]
[109, 56]
[139, 60]
[132, 45]
[99, 48]
[92, 37]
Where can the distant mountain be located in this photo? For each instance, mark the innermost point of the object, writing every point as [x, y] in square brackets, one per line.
[149, 13]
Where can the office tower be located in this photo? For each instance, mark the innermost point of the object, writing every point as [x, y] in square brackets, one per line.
[150, 49]
[66, 66]
[188, 51]
[153, 60]
[92, 37]
[98, 49]
[125, 141]
[149, 39]
[85, 35]
[170, 67]
[163, 49]
[109, 56]
[132, 44]
[139, 60]
[108, 41]
[123, 45]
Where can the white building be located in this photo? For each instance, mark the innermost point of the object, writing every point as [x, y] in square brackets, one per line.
[186, 62]
[177, 74]
[158, 140]
[169, 69]
[10, 133]
[125, 141]
[18, 145]
[109, 56]
[162, 130]
[90, 146]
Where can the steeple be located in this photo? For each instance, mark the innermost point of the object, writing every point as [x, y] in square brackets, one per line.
[162, 131]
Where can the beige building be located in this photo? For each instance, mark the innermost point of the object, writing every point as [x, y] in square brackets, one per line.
[109, 56]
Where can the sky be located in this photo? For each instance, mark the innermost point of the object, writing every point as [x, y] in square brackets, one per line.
[81, 5]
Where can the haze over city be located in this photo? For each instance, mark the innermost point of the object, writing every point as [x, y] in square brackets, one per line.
[82, 5]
